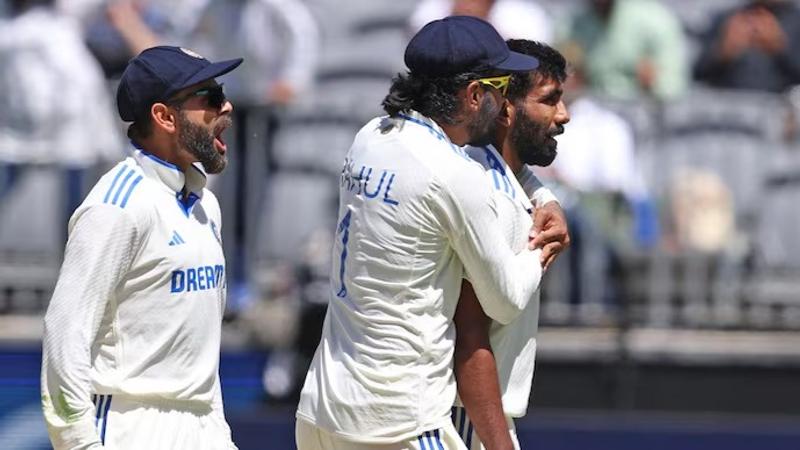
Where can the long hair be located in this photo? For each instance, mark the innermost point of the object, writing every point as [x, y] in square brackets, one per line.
[434, 97]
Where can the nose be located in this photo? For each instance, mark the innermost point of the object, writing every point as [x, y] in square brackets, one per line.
[227, 107]
[562, 115]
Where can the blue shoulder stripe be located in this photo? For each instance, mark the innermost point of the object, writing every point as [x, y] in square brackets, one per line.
[130, 189]
[114, 183]
[122, 186]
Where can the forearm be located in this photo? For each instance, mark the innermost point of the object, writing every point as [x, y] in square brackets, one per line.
[479, 390]
[476, 373]
[534, 189]
[303, 42]
[504, 279]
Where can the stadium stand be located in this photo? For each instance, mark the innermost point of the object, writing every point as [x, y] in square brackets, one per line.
[715, 299]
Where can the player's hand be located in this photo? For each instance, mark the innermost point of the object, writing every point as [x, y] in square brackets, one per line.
[550, 232]
[126, 17]
[646, 74]
[281, 93]
[736, 36]
[767, 32]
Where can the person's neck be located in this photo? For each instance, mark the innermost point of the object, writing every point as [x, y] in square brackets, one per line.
[502, 143]
[165, 152]
[457, 133]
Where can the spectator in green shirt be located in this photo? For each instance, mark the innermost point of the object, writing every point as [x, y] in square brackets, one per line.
[631, 48]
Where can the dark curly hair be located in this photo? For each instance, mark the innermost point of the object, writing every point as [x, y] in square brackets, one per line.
[434, 97]
[552, 65]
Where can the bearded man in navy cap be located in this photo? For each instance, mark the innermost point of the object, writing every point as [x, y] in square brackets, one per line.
[132, 333]
[416, 216]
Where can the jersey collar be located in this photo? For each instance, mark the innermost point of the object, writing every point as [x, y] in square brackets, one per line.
[434, 129]
[506, 168]
[170, 175]
[430, 124]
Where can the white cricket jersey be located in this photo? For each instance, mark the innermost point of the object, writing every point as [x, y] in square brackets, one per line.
[513, 344]
[137, 309]
[416, 215]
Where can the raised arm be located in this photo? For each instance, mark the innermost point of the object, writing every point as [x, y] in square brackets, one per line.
[504, 281]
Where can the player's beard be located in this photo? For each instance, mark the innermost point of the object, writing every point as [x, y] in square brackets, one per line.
[199, 141]
[533, 141]
[482, 129]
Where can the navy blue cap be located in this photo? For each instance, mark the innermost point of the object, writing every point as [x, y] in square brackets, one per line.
[459, 44]
[158, 73]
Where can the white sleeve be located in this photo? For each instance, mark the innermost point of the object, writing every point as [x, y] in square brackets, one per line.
[503, 281]
[97, 256]
[534, 189]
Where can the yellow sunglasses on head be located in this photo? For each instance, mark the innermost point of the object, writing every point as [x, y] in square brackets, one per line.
[500, 83]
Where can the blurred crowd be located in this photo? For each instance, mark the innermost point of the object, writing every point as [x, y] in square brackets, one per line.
[677, 171]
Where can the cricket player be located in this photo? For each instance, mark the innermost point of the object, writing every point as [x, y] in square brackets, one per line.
[132, 333]
[416, 215]
[526, 134]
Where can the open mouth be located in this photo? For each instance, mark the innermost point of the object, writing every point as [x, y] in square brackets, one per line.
[559, 129]
[219, 143]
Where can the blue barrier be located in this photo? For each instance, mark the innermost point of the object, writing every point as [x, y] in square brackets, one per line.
[255, 426]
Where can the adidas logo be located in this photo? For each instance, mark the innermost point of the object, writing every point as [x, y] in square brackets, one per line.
[176, 239]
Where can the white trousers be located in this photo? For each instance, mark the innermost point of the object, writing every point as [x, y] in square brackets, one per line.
[311, 437]
[124, 423]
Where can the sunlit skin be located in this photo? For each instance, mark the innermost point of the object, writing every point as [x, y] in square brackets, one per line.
[532, 122]
[477, 119]
[526, 135]
[181, 132]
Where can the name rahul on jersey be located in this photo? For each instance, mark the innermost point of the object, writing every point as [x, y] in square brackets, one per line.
[367, 182]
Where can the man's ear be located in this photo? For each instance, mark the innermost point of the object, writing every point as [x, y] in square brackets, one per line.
[473, 94]
[506, 117]
[164, 117]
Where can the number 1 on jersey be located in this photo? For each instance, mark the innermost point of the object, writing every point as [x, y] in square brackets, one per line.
[344, 230]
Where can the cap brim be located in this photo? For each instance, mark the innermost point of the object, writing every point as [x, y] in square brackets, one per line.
[517, 62]
[211, 71]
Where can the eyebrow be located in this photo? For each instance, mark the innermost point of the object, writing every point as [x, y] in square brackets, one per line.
[554, 93]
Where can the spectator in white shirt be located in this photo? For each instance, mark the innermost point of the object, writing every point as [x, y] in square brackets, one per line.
[55, 109]
[513, 19]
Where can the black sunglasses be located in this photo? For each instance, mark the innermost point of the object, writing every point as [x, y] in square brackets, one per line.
[215, 96]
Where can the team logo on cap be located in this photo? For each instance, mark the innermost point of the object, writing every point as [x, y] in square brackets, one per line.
[191, 53]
